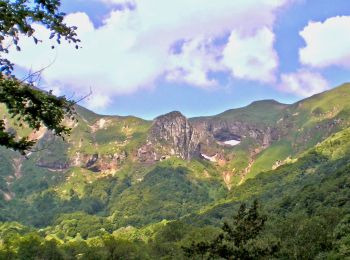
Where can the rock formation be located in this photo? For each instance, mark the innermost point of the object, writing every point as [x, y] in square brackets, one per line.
[171, 134]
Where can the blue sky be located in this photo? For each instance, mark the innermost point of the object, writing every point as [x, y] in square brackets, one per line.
[148, 57]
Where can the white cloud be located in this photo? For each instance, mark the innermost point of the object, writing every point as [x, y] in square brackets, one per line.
[252, 57]
[327, 43]
[303, 83]
[193, 63]
[133, 47]
[98, 101]
[122, 4]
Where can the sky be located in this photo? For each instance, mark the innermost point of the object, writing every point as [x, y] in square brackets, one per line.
[200, 57]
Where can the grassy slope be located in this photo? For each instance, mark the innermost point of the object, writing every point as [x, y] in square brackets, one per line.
[305, 124]
[278, 151]
[263, 112]
[318, 179]
[116, 134]
[132, 131]
[302, 125]
[259, 114]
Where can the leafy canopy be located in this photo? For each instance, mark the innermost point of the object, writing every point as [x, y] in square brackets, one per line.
[238, 239]
[31, 106]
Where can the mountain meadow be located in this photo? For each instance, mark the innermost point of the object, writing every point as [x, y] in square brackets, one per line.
[266, 181]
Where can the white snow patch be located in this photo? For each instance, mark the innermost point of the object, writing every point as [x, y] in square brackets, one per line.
[209, 158]
[232, 142]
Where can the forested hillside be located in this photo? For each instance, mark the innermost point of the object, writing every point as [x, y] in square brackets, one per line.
[127, 188]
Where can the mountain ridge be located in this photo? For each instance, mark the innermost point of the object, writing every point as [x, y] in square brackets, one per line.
[106, 143]
[158, 185]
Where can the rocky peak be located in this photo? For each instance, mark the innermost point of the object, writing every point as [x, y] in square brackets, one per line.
[169, 116]
[170, 126]
[173, 134]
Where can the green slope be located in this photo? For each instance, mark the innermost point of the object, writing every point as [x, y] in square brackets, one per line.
[318, 180]
[150, 211]
[260, 112]
[301, 125]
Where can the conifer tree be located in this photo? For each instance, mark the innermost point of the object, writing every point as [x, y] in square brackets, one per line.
[238, 239]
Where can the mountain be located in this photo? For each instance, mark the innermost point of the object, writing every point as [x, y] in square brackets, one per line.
[168, 181]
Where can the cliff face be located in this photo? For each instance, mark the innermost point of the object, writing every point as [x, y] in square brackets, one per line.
[99, 162]
[216, 130]
[171, 134]
[174, 134]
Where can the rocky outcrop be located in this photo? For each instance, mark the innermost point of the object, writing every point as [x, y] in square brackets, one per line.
[54, 165]
[171, 134]
[148, 154]
[99, 162]
[216, 130]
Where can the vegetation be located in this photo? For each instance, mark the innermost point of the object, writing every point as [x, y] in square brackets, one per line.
[176, 209]
[237, 241]
[305, 215]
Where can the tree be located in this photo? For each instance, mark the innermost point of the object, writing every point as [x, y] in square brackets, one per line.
[238, 240]
[50, 251]
[29, 247]
[342, 238]
[32, 107]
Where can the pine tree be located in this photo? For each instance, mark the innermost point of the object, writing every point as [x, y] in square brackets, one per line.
[238, 240]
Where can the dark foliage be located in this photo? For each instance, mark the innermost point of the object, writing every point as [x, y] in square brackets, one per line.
[238, 239]
[25, 103]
